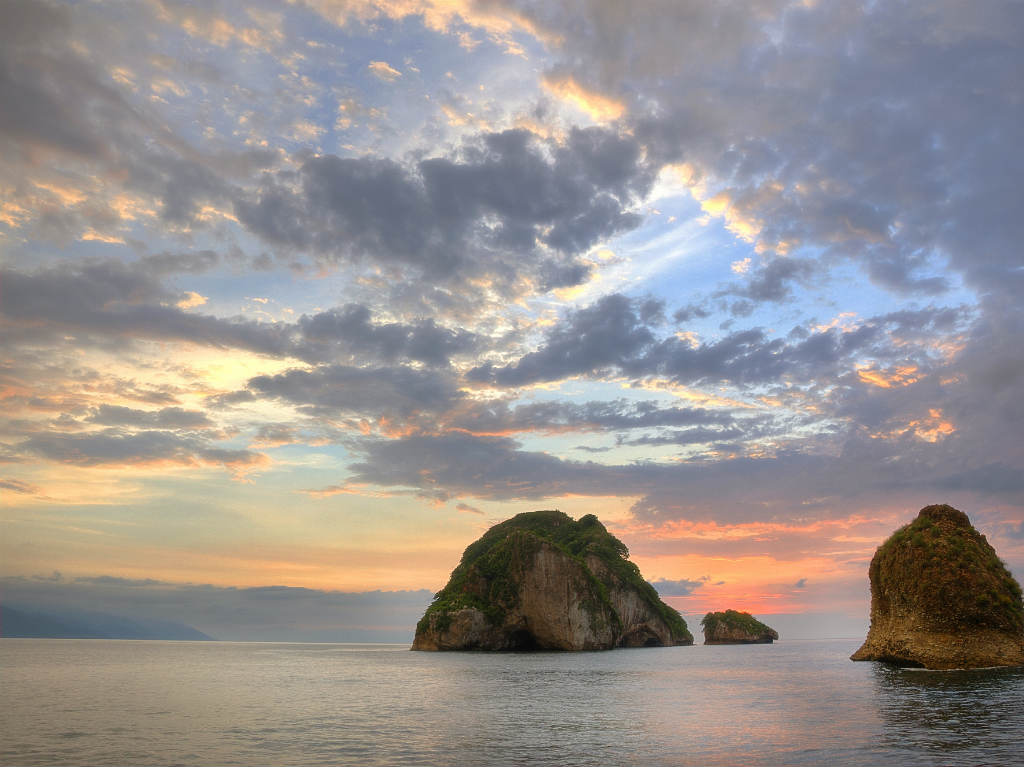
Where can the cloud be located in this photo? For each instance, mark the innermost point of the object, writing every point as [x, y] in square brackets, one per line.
[613, 338]
[191, 300]
[683, 588]
[195, 262]
[115, 300]
[606, 335]
[867, 156]
[1015, 532]
[165, 418]
[17, 486]
[350, 332]
[895, 163]
[686, 437]
[275, 435]
[598, 107]
[335, 389]
[498, 417]
[384, 71]
[474, 215]
[114, 447]
[463, 465]
[112, 580]
[72, 115]
[789, 484]
[772, 281]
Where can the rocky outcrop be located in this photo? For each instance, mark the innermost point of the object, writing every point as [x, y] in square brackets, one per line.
[542, 581]
[942, 599]
[734, 627]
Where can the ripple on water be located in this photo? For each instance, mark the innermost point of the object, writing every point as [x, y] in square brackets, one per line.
[792, 703]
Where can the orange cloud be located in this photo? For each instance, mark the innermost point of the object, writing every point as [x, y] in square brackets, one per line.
[600, 108]
[444, 16]
[384, 71]
[930, 429]
[91, 235]
[191, 300]
[887, 379]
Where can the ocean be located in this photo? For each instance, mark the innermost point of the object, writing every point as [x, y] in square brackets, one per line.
[111, 702]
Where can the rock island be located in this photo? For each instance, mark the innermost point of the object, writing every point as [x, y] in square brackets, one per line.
[734, 627]
[543, 581]
[942, 599]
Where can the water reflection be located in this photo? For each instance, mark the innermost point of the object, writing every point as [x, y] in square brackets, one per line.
[946, 712]
[105, 702]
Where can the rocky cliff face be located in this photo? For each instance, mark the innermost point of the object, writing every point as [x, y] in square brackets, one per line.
[542, 581]
[734, 627]
[941, 598]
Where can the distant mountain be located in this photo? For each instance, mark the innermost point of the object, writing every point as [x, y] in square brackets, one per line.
[74, 623]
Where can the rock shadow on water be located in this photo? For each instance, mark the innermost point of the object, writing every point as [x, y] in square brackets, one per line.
[950, 711]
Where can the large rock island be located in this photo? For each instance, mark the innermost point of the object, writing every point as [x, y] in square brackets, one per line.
[734, 627]
[543, 581]
[942, 599]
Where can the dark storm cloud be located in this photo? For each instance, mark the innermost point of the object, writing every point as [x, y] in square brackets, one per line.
[478, 213]
[117, 447]
[333, 389]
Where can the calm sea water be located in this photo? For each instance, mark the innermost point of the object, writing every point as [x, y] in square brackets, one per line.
[103, 702]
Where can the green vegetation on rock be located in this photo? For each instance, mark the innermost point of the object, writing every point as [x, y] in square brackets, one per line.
[949, 572]
[488, 574]
[735, 626]
[941, 598]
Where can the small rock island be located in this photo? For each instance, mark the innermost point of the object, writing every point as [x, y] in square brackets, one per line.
[543, 581]
[735, 627]
[942, 599]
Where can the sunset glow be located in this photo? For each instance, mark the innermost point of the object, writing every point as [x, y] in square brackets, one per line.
[311, 294]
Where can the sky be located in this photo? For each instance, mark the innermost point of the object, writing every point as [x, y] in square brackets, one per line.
[299, 298]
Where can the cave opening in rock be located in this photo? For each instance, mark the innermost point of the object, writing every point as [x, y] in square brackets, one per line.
[652, 642]
[523, 641]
